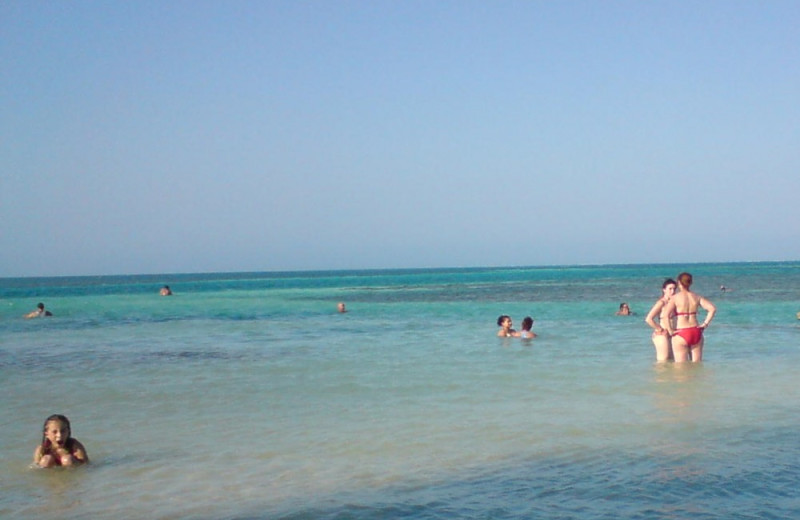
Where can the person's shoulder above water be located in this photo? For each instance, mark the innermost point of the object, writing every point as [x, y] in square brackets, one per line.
[527, 326]
[40, 312]
[165, 291]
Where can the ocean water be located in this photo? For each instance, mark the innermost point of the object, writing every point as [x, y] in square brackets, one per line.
[247, 396]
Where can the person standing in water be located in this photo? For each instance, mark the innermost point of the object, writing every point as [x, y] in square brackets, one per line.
[687, 334]
[661, 339]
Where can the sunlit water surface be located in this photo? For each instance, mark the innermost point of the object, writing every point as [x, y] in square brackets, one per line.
[247, 396]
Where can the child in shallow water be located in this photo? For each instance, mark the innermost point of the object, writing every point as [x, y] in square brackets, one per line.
[58, 448]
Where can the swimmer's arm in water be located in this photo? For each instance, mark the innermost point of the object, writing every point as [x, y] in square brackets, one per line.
[73, 457]
[80, 453]
[38, 453]
[77, 455]
[61, 456]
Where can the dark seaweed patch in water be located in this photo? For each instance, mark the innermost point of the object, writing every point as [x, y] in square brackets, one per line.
[192, 355]
[49, 357]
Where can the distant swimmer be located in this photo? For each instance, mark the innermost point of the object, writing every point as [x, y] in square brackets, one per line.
[38, 313]
[527, 325]
[165, 291]
[504, 322]
[722, 288]
[798, 315]
[624, 310]
[340, 307]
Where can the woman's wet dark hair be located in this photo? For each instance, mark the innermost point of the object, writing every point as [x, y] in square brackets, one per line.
[527, 323]
[668, 281]
[501, 319]
[685, 279]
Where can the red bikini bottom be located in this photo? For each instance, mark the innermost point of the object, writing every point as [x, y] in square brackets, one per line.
[692, 335]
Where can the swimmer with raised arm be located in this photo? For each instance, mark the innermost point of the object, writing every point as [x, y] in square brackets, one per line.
[687, 333]
[661, 339]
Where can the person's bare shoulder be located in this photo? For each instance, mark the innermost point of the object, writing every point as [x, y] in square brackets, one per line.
[80, 451]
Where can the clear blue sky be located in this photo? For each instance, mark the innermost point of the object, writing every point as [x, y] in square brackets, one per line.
[159, 137]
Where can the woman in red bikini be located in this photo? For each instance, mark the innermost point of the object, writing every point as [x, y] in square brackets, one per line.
[687, 335]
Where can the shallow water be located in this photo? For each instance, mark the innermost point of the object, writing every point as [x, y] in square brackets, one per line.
[247, 396]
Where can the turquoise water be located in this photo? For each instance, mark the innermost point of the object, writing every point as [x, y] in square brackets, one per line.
[246, 396]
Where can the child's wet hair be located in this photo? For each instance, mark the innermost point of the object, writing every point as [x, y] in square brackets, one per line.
[55, 417]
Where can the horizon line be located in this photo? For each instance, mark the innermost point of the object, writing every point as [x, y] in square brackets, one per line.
[395, 269]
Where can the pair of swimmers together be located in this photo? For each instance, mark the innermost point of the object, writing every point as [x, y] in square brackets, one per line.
[677, 334]
[40, 312]
[506, 330]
